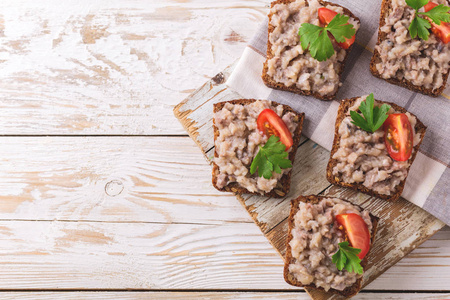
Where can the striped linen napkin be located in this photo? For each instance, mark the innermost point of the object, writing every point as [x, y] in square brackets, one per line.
[428, 183]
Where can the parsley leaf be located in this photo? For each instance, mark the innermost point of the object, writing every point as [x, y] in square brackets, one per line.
[419, 26]
[308, 32]
[340, 28]
[271, 157]
[374, 117]
[316, 37]
[347, 257]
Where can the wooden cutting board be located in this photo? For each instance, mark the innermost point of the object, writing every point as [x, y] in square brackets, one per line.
[403, 226]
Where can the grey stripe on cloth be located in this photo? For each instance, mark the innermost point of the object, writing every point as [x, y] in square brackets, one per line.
[438, 203]
[435, 114]
[259, 40]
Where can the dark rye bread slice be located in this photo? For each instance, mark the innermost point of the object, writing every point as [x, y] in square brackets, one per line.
[343, 108]
[386, 7]
[270, 82]
[284, 184]
[347, 292]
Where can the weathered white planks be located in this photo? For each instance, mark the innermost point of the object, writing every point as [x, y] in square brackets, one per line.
[133, 179]
[192, 112]
[112, 67]
[141, 213]
[145, 237]
[403, 276]
[232, 256]
[207, 295]
[102, 255]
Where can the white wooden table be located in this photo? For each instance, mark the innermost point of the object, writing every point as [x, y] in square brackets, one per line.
[103, 194]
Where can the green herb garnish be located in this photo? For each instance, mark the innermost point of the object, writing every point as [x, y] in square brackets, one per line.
[374, 117]
[347, 257]
[271, 157]
[316, 37]
[419, 26]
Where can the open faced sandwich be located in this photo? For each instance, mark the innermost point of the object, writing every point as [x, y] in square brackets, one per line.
[308, 44]
[374, 145]
[328, 244]
[255, 145]
[412, 49]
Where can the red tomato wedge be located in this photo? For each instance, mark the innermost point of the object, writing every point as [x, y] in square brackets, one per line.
[347, 43]
[357, 232]
[442, 31]
[325, 17]
[271, 124]
[398, 137]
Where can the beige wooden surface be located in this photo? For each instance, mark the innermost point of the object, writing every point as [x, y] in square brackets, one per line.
[101, 189]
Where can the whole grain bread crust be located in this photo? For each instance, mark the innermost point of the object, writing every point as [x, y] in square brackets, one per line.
[280, 86]
[289, 278]
[343, 108]
[283, 185]
[385, 9]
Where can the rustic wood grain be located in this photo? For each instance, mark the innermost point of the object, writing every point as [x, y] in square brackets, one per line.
[160, 218]
[88, 239]
[132, 179]
[191, 112]
[205, 295]
[403, 226]
[102, 67]
[234, 256]
[113, 255]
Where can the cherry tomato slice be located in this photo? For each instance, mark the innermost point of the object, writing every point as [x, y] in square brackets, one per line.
[325, 17]
[347, 43]
[357, 232]
[429, 6]
[442, 31]
[398, 136]
[271, 124]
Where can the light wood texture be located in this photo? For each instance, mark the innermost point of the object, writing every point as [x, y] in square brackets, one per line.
[207, 295]
[402, 227]
[114, 179]
[104, 255]
[102, 209]
[62, 228]
[112, 67]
